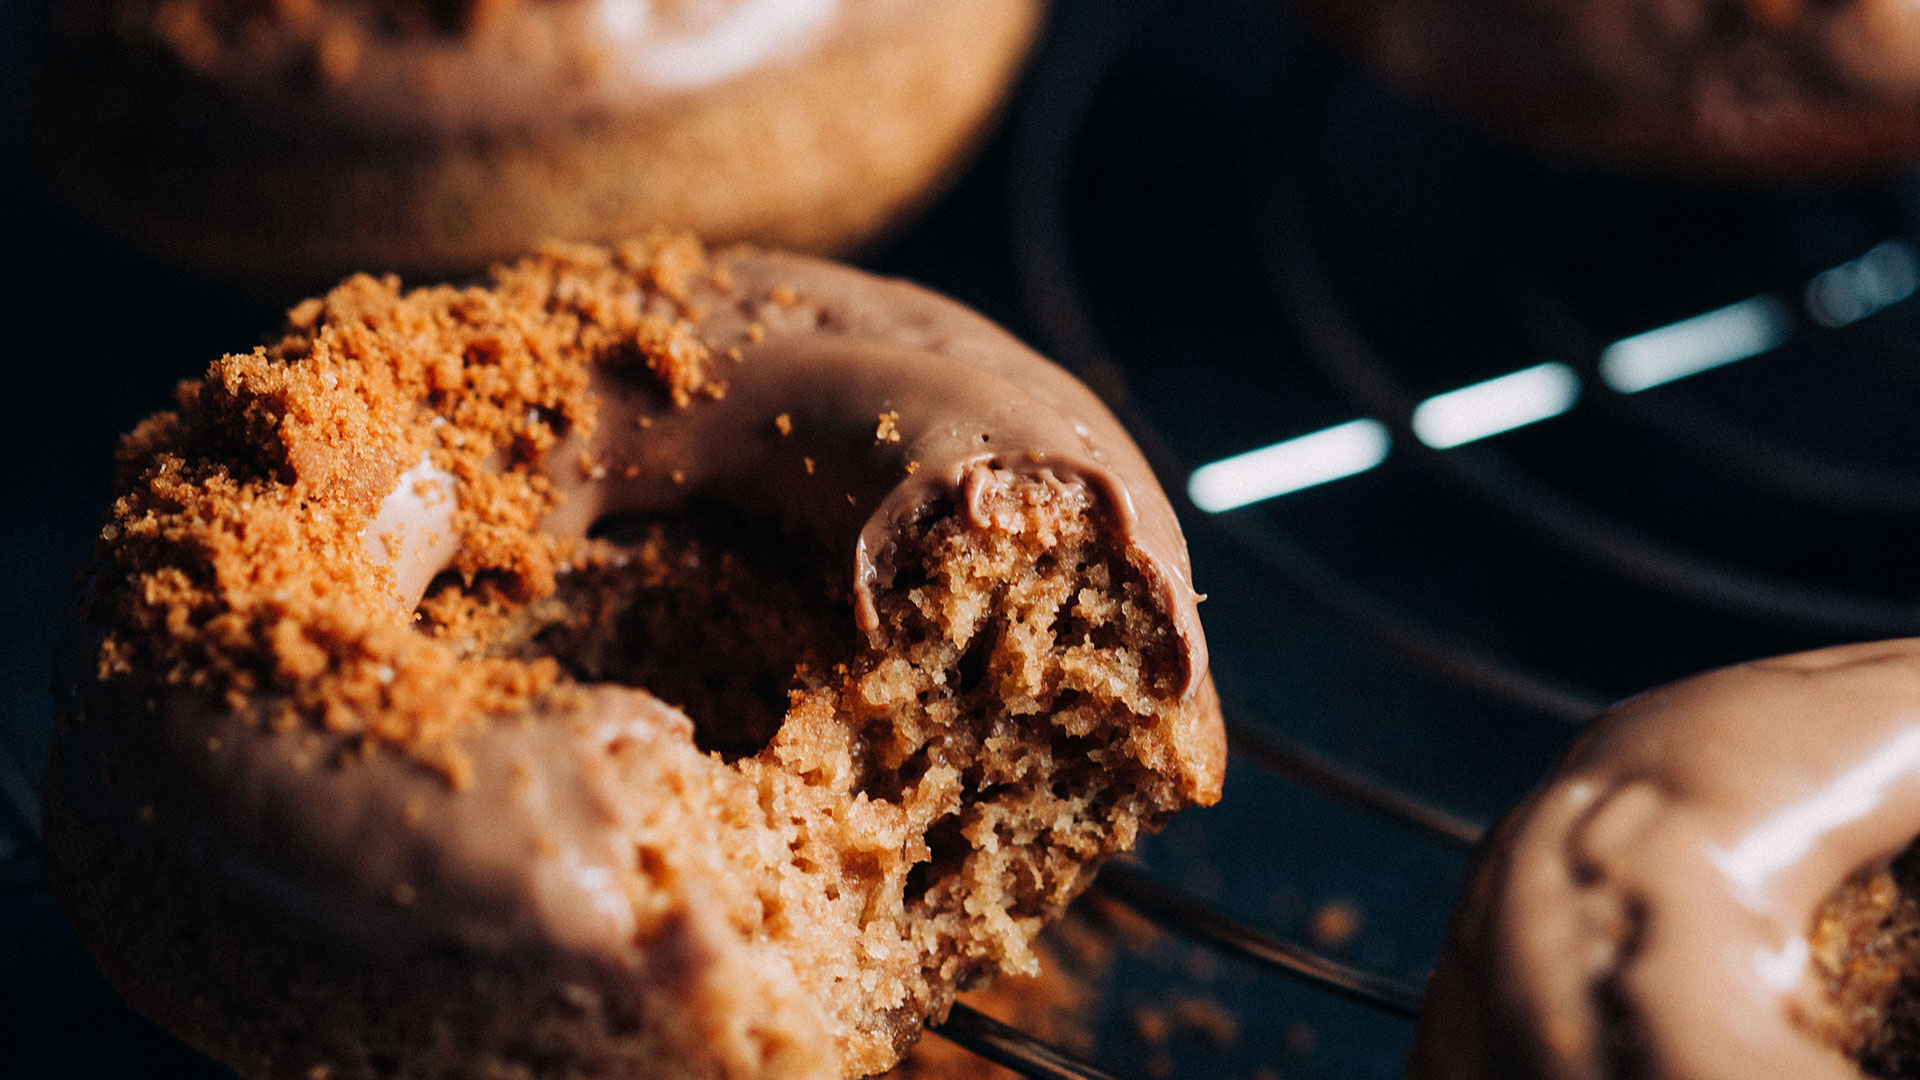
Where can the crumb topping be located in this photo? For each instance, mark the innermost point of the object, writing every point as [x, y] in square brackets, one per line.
[234, 561]
[1865, 942]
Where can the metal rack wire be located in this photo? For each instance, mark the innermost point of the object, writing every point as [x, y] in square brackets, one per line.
[1336, 340]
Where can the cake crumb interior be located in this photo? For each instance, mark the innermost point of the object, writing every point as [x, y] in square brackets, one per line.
[1866, 948]
[993, 738]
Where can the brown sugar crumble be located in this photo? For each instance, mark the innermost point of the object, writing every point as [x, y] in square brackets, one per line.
[237, 570]
[1335, 923]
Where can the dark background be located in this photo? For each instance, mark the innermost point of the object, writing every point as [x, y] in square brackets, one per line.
[1239, 238]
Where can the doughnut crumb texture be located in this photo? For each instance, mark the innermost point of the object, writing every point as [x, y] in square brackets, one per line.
[1866, 951]
[640, 665]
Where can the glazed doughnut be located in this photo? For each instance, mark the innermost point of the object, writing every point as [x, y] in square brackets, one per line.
[1748, 89]
[1709, 886]
[301, 140]
[650, 664]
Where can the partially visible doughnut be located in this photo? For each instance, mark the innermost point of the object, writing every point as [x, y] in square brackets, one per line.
[1702, 890]
[1704, 89]
[362, 777]
[301, 140]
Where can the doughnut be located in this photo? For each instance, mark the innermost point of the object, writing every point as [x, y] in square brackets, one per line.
[1748, 90]
[301, 140]
[650, 663]
[1718, 881]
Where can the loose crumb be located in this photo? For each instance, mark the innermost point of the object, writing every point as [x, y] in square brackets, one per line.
[1301, 1039]
[1335, 923]
[784, 423]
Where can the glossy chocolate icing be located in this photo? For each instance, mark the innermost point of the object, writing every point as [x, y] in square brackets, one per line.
[855, 405]
[1746, 87]
[1646, 913]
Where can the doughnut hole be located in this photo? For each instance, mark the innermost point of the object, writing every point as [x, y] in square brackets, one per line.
[719, 615]
[1865, 941]
[940, 787]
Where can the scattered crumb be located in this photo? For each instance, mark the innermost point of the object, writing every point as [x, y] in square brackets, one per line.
[337, 56]
[889, 429]
[784, 295]
[1208, 1019]
[784, 424]
[1335, 923]
[912, 467]
[1152, 1025]
[808, 462]
[1300, 1039]
[1198, 1016]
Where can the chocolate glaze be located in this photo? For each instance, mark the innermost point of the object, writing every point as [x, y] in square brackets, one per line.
[1645, 914]
[1759, 87]
[539, 854]
[972, 407]
[404, 70]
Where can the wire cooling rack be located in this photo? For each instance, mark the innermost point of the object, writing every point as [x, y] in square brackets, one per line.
[1670, 418]
[1467, 446]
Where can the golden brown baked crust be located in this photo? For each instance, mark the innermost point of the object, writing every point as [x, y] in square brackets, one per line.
[394, 758]
[235, 139]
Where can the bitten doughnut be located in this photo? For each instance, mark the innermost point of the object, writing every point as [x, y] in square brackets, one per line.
[300, 140]
[1745, 89]
[646, 665]
[1711, 885]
